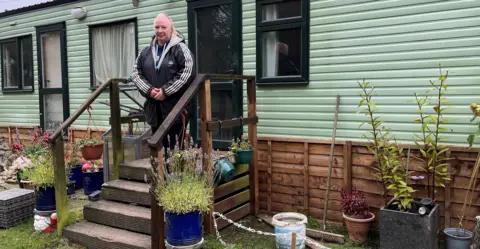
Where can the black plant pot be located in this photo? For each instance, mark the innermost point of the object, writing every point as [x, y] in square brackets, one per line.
[401, 230]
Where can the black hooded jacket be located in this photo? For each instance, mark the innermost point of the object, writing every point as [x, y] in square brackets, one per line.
[174, 75]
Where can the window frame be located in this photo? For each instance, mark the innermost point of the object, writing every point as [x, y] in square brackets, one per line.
[21, 86]
[303, 23]
[90, 42]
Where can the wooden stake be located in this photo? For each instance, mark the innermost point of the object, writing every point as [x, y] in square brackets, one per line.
[157, 213]
[10, 139]
[331, 163]
[294, 240]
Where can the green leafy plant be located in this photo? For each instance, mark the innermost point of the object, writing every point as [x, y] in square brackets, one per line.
[88, 141]
[240, 145]
[389, 166]
[433, 155]
[475, 108]
[42, 174]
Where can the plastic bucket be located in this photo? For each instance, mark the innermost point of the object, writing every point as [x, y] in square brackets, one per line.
[287, 223]
[244, 157]
[183, 229]
[77, 176]
[92, 181]
[45, 199]
[458, 238]
[225, 172]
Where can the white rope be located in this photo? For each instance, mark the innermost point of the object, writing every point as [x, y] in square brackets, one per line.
[219, 238]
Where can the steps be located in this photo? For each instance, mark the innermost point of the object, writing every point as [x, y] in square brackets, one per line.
[97, 236]
[121, 219]
[119, 215]
[135, 170]
[127, 192]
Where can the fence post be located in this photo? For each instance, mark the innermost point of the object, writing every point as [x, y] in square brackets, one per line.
[347, 166]
[252, 136]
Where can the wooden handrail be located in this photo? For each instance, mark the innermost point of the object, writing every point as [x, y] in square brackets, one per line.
[155, 139]
[56, 134]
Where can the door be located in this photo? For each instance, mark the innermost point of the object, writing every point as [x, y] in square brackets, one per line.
[214, 34]
[52, 75]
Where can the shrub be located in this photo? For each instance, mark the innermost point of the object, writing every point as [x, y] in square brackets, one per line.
[355, 204]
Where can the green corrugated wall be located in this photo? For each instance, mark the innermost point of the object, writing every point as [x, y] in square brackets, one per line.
[396, 45]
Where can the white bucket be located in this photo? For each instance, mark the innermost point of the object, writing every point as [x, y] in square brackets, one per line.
[286, 224]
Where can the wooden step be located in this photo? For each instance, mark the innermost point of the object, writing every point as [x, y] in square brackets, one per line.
[119, 215]
[135, 170]
[127, 192]
[96, 236]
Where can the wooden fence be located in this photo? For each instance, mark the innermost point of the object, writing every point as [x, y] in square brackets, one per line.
[293, 177]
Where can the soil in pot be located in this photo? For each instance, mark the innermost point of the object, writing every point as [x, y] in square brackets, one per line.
[92, 152]
[458, 238]
[358, 228]
[183, 229]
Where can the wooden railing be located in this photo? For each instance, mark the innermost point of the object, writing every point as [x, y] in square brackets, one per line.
[202, 84]
[57, 146]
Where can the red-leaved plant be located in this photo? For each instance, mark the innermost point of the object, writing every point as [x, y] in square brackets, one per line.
[355, 204]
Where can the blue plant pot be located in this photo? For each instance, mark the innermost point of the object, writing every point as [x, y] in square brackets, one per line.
[92, 181]
[244, 157]
[77, 176]
[183, 229]
[45, 199]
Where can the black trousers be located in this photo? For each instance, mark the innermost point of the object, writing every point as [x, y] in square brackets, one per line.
[174, 135]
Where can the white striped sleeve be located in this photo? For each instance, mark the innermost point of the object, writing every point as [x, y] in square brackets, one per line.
[138, 77]
[184, 74]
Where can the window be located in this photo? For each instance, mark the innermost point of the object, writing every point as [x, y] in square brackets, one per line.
[282, 41]
[17, 64]
[113, 49]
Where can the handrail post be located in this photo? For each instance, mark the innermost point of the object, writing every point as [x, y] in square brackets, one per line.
[116, 130]
[206, 135]
[252, 136]
[60, 183]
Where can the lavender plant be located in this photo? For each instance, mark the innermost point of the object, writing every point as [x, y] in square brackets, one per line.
[187, 187]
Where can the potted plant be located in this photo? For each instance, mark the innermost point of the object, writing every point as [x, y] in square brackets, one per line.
[92, 148]
[403, 221]
[242, 149]
[459, 237]
[185, 194]
[92, 177]
[23, 176]
[74, 166]
[42, 176]
[356, 215]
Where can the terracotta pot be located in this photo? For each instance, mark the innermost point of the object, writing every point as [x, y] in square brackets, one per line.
[92, 152]
[358, 228]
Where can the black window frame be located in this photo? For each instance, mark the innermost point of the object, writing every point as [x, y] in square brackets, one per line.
[90, 43]
[21, 86]
[303, 23]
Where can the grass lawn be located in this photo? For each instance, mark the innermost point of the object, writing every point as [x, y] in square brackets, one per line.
[241, 239]
[24, 237]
